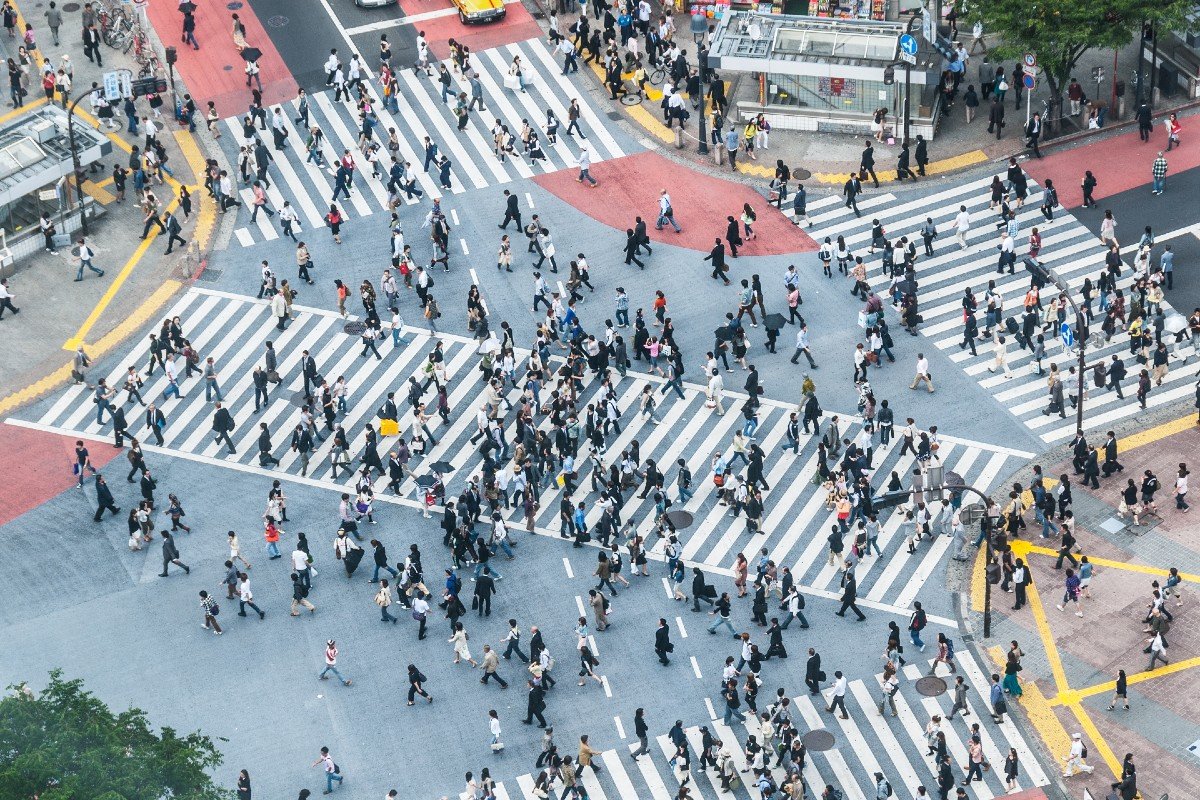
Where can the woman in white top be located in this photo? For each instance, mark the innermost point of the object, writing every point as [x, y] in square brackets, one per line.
[459, 640]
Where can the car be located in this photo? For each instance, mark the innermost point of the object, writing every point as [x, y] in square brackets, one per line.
[374, 3]
[470, 11]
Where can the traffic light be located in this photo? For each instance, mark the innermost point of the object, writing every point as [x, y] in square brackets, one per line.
[889, 75]
[935, 478]
[889, 500]
[145, 86]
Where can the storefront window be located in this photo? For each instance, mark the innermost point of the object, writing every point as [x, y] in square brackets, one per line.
[831, 93]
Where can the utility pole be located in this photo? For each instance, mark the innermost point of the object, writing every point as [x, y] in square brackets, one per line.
[75, 166]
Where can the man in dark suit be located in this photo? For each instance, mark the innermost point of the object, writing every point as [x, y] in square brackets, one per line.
[120, 426]
[104, 499]
[308, 367]
[512, 211]
[260, 388]
[662, 642]
[1079, 447]
[643, 238]
[265, 458]
[485, 587]
[155, 421]
[717, 257]
[849, 595]
[535, 705]
[91, 45]
[148, 485]
[867, 163]
[812, 672]
[222, 426]
[173, 229]
[850, 190]
[302, 444]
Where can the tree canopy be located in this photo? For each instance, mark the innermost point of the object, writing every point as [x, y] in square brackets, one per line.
[1061, 31]
[65, 744]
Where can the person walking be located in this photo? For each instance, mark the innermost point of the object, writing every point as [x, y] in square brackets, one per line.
[494, 729]
[300, 589]
[85, 254]
[170, 553]
[383, 599]
[662, 642]
[1158, 171]
[331, 656]
[210, 610]
[416, 679]
[332, 771]
[246, 597]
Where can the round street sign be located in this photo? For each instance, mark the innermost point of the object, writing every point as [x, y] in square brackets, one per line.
[1068, 335]
[1028, 80]
[908, 44]
[1030, 60]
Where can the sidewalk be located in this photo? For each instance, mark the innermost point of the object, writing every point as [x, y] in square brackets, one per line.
[1071, 663]
[57, 313]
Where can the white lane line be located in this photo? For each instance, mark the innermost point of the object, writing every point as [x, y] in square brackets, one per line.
[696, 670]
[682, 630]
[620, 727]
[607, 688]
[567, 567]
[465, 249]
[529, 200]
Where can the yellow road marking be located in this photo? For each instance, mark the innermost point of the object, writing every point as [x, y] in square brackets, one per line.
[114, 287]
[979, 579]
[1043, 626]
[1022, 548]
[648, 121]
[1156, 433]
[1098, 741]
[206, 216]
[98, 193]
[1041, 714]
[1076, 695]
[25, 109]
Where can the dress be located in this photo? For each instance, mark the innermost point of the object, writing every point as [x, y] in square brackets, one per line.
[459, 639]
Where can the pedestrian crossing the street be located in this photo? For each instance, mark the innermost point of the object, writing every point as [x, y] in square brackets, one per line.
[867, 743]
[1069, 250]
[234, 329]
[294, 176]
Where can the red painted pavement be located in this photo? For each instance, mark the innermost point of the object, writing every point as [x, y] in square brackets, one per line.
[517, 26]
[1028, 794]
[216, 71]
[630, 187]
[1119, 164]
[37, 466]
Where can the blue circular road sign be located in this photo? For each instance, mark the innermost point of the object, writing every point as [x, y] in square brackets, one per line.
[908, 44]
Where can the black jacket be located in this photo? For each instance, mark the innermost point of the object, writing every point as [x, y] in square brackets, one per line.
[662, 639]
[222, 420]
[716, 256]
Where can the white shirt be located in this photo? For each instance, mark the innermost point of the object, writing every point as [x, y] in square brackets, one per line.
[839, 687]
[299, 560]
[922, 366]
[963, 221]
[664, 202]
[331, 63]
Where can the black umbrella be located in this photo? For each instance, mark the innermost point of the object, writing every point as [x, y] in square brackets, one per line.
[441, 467]
[251, 53]
[425, 481]
[773, 322]
[907, 287]
[679, 519]
[723, 334]
[187, 8]
[351, 560]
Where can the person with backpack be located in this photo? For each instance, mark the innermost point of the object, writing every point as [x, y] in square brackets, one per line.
[916, 624]
[945, 654]
[883, 789]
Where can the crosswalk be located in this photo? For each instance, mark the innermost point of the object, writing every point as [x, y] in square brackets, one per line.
[422, 113]
[234, 329]
[1069, 249]
[866, 744]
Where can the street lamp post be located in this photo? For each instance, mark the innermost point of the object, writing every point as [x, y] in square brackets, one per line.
[75, 166]
[908, 78]
[703, 59]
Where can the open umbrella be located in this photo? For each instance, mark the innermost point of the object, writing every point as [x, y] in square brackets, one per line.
[251, 53]
[723, 334]
[187, 7]
[1175, 323]
[353, 557]
[773, 322]
[907, 287]
[425, 481]
[441, 467]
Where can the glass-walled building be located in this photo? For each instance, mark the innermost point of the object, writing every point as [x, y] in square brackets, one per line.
[35, 178]
[822, 74]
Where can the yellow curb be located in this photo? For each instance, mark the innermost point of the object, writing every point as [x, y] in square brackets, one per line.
[1156, 433]
[1099, 743]
[1078, 695]
[943, 166]
[25, 109]
[114, 287]
[98, 193]
[142, 314]
[648, 121]
[979, 579]
[206, 217]
[1041, 715]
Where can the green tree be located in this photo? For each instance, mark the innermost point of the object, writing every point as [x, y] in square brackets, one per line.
[1061, 31]
[65, 744]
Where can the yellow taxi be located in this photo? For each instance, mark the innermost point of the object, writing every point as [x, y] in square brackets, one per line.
[470, 11]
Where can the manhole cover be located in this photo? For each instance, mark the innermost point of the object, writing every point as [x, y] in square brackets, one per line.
[228, 67]
[277, 21]
[801, 174]
[819, 740]
[209, 275]
[299, 400]
[234, 6]
[613, 115]
[931, 686]
[355, 328]
[71, 8]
